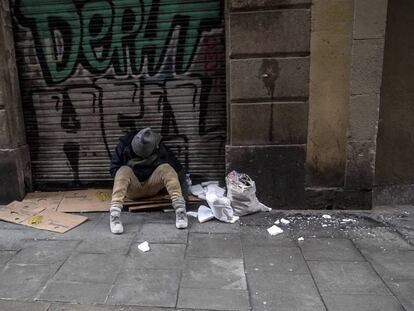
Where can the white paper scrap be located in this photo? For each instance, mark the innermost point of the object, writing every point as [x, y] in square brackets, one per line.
[326, 216]
[285, 221]
[301, 239]
[144, 247]
[277, 222]
[274, 230]
[204, 214]
[192, 214]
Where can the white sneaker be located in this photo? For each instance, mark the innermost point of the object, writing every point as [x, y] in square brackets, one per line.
[181, 220]
[115, 222]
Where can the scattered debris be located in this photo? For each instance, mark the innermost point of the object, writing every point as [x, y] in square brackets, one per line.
[274, 230]
[144, 247]
[192, 214]
[285, 221]
[301, 239]
[277, 222]
[326, 216]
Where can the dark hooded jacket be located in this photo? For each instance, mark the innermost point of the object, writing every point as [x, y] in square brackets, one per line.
[123, 154]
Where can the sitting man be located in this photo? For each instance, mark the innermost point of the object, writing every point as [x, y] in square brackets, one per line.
[142, 166]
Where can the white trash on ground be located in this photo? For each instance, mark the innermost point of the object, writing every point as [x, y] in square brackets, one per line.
[204, 214]
[326, 216]
[241, 190]
[301, 239]
[274, 230]
[285, 221]
[144, 247]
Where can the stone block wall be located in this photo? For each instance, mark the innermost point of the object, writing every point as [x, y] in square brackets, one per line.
[15, 174]
[268, 45]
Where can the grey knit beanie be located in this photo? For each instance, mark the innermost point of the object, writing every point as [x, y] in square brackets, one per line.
[145, 142]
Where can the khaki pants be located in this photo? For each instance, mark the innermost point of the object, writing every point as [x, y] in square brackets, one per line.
[127, 185]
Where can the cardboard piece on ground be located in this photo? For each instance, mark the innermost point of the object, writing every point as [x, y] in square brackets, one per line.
[90, 200]
[49, 200]
[55, 221]
[36, 216]
[149, 206]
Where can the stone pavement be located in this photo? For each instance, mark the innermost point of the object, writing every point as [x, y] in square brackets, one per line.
[351, 262]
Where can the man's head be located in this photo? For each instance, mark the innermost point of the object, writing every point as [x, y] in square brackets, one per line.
[145, 142]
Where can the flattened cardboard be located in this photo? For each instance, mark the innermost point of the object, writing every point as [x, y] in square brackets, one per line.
[34, 215]
[149, 206]
[90, 200]
[56, 221]
[49, 200]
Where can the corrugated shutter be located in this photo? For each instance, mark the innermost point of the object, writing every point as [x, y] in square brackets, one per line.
[90, 71]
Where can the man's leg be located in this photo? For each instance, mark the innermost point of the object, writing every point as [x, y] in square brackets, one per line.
[125, 182]
[166, 176]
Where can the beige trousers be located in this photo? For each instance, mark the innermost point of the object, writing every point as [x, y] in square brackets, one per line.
[127, 185]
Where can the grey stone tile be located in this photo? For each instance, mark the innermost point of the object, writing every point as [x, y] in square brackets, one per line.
[113, 244]
[214, 245]
[5, 256]
[161, 256]
[24, 281]
[378, 239]
[273, 291]
[213, 299]
[83, 307]
[330, 249]
[157, 288]
[214, 273]
[404, 291]
[101, 229]
[75, 292]
[156, 217]
[392, 264]
[258, 236]
[162, 233]
[361, 303]
[347, 278]
[277, 259]
[15, 239]
[214, 226]
[99, 268]
[23, 306]
[44, 252]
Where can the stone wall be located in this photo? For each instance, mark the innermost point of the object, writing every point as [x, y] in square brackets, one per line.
[268, 44]
[15, 175]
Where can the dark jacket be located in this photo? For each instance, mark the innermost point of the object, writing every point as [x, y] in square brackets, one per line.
[123, 153]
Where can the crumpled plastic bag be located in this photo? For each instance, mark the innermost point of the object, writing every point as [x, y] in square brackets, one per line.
[221, 207]
[241, 191]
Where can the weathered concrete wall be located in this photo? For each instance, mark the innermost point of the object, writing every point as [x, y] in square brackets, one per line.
[331, 41]
[268, 44]
[395, 143]
[15, 175]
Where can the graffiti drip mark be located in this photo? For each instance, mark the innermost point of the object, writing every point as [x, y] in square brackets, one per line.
[71, 150]
[69, 119]
[269, 73]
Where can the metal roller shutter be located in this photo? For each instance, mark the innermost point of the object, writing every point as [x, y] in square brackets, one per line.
[93, 70]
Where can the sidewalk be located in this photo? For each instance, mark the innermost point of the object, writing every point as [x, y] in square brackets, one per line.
[357, 265]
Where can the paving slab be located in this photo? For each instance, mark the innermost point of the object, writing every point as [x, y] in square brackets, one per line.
[15, 239]
[161, 256]
[44, 252]
[214, 245]
[273, 291]
[347, 278]
[23, 306]
[162, 233]
[361, 303]
[214, 226]
[378, 239]
[404, 291]
[113, 244]
[213, 299]
[94, 268]
[6, 256]
[75, 292]
[258, 236]
[330, 249]
[83, 307]
[392, 264]
[214, 273]
[22, 282]
[157, 288]
[277, 259]
[131, 223]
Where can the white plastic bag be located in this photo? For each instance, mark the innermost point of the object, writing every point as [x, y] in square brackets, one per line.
[241, 190]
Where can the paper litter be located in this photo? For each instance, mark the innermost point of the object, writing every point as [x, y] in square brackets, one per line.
[274, 230]
[326, 216]
[144, 247]
[192, 214]
[285, 221]
[204, 214]
[277, 222]
[301, 239]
